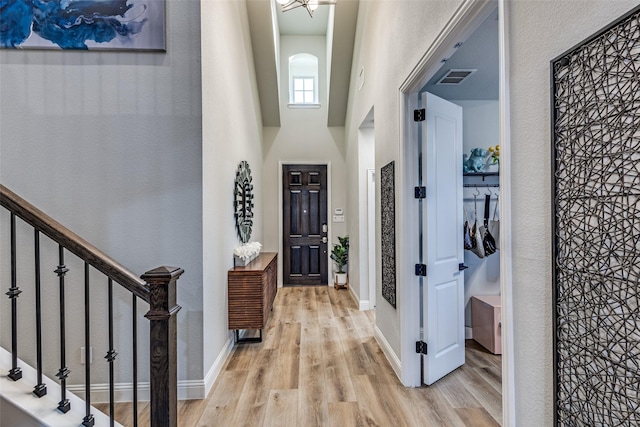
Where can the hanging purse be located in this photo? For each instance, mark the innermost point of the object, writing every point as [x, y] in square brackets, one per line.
[478, 247]
[488, 242]
[494, 225]
[469, 243]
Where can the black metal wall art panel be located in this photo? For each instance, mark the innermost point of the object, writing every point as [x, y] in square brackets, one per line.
[596, 224]
[388, 225]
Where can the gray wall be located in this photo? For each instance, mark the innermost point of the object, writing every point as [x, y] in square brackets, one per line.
[538, 32]
[231, 132]
[109, 144]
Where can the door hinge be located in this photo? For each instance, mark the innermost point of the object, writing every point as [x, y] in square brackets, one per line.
[421, 347]
[419, 115]
[421, 270]
[420, 192]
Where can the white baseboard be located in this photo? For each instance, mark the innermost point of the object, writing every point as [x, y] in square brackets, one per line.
[392, 357]
[362, 304]
[187, 389]
[217, 366]
[123, 392]
[468, 332]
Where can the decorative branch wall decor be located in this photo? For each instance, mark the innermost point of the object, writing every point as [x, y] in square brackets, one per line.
[388, 225]
[596, 249]
[243, 201]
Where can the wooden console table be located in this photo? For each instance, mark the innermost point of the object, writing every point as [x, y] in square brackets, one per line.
[252, 289]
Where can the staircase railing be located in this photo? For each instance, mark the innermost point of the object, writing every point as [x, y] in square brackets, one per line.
[156, 287]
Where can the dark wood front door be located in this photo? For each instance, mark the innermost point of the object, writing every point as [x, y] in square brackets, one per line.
[305, 224]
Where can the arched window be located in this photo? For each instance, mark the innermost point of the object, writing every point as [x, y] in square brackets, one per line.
[303, 79]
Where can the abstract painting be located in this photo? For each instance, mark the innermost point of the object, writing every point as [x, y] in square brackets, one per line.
[596, 217]
[83, 24]
[388, 225]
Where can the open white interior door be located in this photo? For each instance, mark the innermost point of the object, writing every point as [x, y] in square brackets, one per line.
[443, 314]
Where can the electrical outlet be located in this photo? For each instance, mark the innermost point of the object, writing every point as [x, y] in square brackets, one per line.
[83, 354]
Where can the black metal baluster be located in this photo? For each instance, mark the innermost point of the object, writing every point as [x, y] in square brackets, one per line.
[40, 389]
[111, 357]
[88, 420]
[15, 373]
[135, 361]
[64, 405]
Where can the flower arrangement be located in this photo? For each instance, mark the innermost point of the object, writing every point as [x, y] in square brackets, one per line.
[246, 253]
[494, 154]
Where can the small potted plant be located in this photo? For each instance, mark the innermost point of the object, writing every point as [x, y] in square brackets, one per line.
[340, 255]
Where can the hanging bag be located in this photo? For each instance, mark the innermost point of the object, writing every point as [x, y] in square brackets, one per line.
[478, 247]
[469, 243]
[488, 242]
[494, 224]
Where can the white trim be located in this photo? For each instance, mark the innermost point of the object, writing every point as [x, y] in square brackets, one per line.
[506, 251]
[407, 303]
[362, 304]
[303, 106]
[123, 392]
[282, 163]
[393, 359]
[468, 333]
[468, 16]
[371, 237]
[216, 368]
[187, 389]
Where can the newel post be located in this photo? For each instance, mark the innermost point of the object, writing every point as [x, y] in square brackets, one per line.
[163, 342]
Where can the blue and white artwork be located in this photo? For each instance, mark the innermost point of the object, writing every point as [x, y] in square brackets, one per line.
[83, 24]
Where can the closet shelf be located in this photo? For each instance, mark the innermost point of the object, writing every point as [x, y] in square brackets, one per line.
[483, 175]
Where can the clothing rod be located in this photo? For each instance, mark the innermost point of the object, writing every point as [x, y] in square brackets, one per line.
[481, 185]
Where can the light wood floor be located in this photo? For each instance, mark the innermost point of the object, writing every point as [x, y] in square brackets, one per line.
[319, 365]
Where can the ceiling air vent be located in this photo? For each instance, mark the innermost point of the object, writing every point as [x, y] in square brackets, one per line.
[455, 77]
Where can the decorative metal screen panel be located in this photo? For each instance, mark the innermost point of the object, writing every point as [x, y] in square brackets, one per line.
[388, 225]
[596, 241]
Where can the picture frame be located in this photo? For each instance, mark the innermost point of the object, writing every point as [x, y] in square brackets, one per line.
[388, 232]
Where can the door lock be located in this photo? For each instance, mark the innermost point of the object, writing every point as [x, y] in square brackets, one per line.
[325, 228]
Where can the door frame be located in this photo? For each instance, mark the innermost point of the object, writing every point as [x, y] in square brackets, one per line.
[466, 19]
[282, 163]
[371, 237]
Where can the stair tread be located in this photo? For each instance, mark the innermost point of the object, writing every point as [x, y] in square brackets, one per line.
[43, 409]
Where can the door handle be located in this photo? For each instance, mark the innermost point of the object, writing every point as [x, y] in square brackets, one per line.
[462, 267]
[324, 239]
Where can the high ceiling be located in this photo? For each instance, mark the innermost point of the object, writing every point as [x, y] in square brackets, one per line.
[298, 22]
[266, 20]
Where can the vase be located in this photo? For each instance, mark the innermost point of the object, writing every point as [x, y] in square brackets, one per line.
[242, 262]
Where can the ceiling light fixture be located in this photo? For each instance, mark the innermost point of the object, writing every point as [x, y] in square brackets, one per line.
[309, 5]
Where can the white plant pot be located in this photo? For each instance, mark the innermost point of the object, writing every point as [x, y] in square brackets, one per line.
[341, 278]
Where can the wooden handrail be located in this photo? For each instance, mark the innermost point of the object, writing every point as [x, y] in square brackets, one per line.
[72, 242]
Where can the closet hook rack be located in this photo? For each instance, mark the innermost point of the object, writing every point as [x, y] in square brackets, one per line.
[481, 185]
